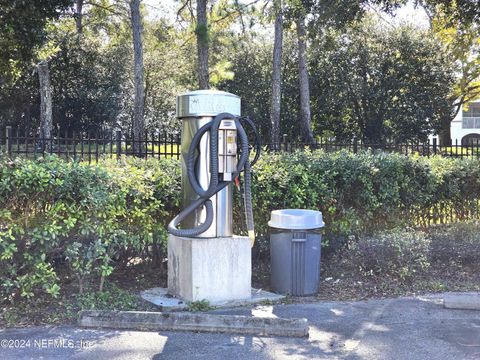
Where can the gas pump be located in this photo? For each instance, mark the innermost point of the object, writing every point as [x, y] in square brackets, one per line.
[215, 150]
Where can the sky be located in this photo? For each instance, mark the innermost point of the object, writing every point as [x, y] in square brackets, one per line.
[410, 14]
[156, 7]
[407, 13]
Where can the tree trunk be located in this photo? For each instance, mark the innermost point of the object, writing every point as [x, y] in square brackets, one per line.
[79, 16]
[445, 136]
[28, 119]
[305, 116]
[276, 77]
[374, 131]
[138, 123]
[46, 122]
[202, 44]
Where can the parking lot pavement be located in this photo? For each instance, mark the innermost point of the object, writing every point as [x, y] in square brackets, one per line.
[401, 328]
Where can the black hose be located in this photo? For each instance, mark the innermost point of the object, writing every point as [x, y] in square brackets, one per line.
[214, 186]
[258, 144]
[248, 203]
[248, 180]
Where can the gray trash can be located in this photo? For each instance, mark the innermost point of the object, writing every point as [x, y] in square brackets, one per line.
[295, 249]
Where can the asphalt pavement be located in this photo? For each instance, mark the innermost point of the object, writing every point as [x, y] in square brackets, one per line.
[402, 328]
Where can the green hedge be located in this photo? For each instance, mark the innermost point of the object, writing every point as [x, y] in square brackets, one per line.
[83, 221]
[85, 218]
[362, 193]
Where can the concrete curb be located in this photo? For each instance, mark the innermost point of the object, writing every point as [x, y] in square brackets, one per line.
[158, 321]
[466, 301]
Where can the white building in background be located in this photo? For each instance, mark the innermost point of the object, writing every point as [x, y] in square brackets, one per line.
[465, 128]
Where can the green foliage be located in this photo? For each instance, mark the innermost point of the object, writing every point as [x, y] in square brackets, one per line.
[22, 31]
[251, 66]
[62, 219]
[88, 80]
[399, 253]
[360, 193]
[378, 84]
[91, 71]
[467, 11]
[365, 80]
[199, 306]
[402, 254]
[112, 298]
[168, 72]
[90, 217]
[462, 39]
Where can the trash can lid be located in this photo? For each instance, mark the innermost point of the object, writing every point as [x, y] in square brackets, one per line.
[296, 219]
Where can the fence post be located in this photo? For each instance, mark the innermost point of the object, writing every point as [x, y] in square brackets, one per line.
[435, 145]
[285, 142]
[8, 140]
[118, 141]
[355, 145]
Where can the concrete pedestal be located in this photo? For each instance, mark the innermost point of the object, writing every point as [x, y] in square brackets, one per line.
[212, 269]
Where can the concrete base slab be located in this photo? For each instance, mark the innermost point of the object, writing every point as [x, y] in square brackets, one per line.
[466, 301]
[213, 269]
[161, 298]
[157, 321]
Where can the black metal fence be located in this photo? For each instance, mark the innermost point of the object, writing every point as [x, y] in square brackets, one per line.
[427, 148]
[446, 213]
[91, 148]
[88, 147]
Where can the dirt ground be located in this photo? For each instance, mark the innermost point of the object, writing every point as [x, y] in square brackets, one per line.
[336, 284]
[453, 265]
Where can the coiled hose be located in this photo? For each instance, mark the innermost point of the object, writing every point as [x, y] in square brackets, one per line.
[215, 186]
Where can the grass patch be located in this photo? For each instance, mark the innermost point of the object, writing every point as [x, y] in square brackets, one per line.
[199, 306]
[111, 298]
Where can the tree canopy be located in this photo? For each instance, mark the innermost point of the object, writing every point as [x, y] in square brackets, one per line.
[377, 83]
[368, 79]
[23, 29]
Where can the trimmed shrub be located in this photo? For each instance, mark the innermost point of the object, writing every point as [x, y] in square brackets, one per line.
[457, 243]
[399, 254]
[86, 220]
[89, 217]
[362, 193]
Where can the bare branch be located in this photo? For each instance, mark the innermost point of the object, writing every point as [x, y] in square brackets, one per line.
[110, 9]
[241, 18]
[190, 8]
[229, 14]
[184, 5]
[238, 10]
